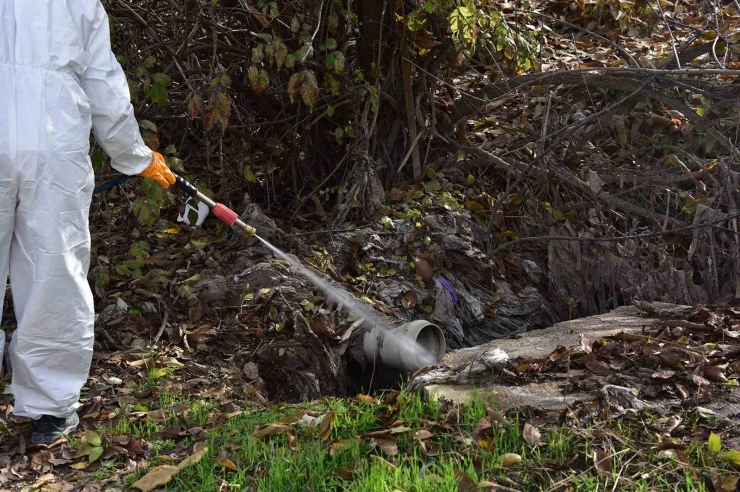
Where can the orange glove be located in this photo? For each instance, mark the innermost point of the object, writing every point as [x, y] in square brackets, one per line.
[158, 171]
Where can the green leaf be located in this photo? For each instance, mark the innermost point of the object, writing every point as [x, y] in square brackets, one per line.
[162, 79]
[150, 62]
[148, 125]
[336, 62]
[220, 82]
[470, 179]
[94, 453]
[330, 111]
[732, 456]
[303, 52]
[195, 105]
[92, 438]
[434, 186]
[309, 88]
[331, 44]
[102, 278]
[294, 86]
[146, 211]
[259, 79]
[159, 95]
[714, 443]
[333, 22]
[258, 54]
[557, 214]
[290, 61]
[170, 150]
[249, 174]
[281, 54]
[339, 135]
[175, 164]
[219, 111]
[97, 159]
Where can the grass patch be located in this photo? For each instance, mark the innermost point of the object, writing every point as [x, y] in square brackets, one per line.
[460, 445]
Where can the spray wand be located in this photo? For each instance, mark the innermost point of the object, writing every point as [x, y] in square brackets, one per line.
[221, 211]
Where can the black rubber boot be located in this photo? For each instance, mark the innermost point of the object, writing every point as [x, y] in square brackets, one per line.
[48, 429]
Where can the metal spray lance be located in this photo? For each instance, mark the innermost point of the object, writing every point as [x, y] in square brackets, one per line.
[221, 211]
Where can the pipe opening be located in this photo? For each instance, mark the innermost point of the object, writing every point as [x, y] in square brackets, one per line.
[428, 344]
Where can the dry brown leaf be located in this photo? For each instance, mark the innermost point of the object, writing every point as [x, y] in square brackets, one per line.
[163, 474]
[730, 484]
[228, 464]
[157, 477]
[385, 441]
[531, 434]
[430, 448]
[425, 41]
[270, 430]
[465, 483]
[344, 474]
[322, 326]
[423, 268]
[326, 426]
[494, 487]
[44, 480]
[619, 362]
[199, 450]
[597, 366]
[339, 445]
[496, 416]
[482, 429]
[716, 373]
[423, 434]
[603, 463]
[57, 487]
[663, 374]
[292, 441]
[409, 299]
[453, 418]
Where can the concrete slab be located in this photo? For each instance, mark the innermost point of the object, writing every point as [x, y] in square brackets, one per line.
[546, 395]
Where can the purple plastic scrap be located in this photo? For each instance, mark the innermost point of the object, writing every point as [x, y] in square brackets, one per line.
[449, 288]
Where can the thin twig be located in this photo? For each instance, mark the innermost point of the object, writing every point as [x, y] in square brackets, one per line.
[161, 328]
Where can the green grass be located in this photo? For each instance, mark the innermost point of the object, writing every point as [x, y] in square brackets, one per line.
[564, 455]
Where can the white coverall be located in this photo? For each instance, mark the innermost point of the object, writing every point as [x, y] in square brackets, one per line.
[58, 80]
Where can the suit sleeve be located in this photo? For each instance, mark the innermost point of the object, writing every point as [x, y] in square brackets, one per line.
[104, 82]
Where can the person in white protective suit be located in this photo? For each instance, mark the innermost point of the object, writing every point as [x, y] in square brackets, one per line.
[59, 79]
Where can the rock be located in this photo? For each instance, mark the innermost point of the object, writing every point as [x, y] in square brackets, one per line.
[121, 305]
[251, 371]
[533, 270]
